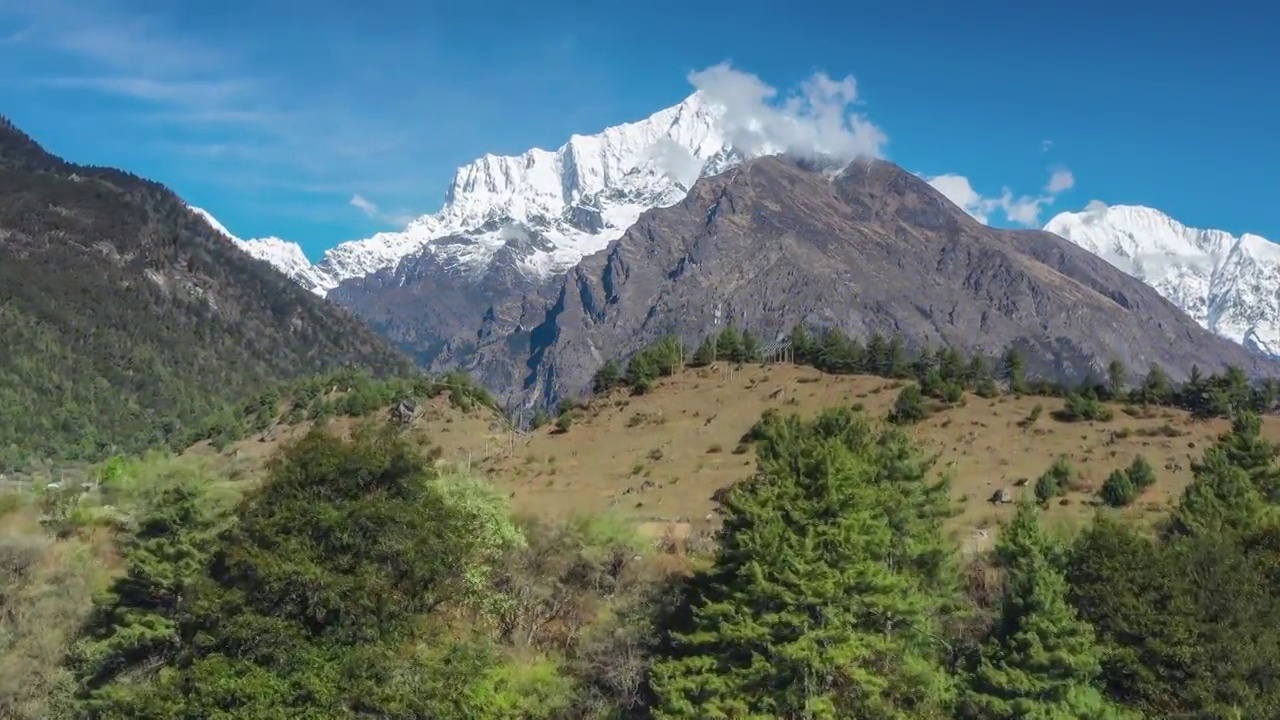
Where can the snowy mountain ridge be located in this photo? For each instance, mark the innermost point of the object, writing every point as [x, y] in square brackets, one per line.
[548, 208]
[1228, 284]
[286, 256]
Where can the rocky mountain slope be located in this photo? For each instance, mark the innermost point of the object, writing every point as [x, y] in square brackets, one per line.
[127, 319]
[774, 243]
[1228, 284]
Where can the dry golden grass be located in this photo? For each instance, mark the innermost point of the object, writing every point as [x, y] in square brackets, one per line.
[46, 590]
[659, 458]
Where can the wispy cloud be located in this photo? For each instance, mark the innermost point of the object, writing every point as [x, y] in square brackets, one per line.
[205, 102]
[16, 37]
[372, 210]
[191, 95]
[1018, 209]
[363, 205]
[138, 58]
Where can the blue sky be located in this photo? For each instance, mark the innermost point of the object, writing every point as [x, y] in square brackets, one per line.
[275, 114]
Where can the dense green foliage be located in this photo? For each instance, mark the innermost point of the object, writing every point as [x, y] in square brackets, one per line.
[1055, 480]
[1084, 406]
[344, 393]
[908, 407]
[1040, 660]
[306, 601]
[127, 319]
[829, 610]
[359, 581]
[1124, 486]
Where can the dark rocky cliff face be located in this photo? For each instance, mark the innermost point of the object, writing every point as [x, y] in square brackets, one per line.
[871, 249]
[444, 317]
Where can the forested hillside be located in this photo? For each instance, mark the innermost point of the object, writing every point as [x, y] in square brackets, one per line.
[125, 318]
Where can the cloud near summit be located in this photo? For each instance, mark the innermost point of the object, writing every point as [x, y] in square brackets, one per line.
[819, 118]
[1020, 210]
[816, 120]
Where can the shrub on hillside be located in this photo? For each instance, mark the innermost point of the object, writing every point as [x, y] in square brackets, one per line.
[1084, 406]
[1118, 490]
[1032, 417]
[909, 407]
[1122, 487]
[1055, 480]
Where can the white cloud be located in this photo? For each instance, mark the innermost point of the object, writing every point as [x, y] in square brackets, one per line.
[370, 209]
[675, 161]
[1060, 181]
[957, 189]
[1095, 207]
[364, 206]
[1046, 145]
[1021, 210]
[818, 120]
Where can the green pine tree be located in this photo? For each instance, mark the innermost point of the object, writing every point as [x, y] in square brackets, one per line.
[802, 345]
[909, 407]
[1117, 379]
[313, 602]
[1222, 498]
[1248, 450]
[729, 344]
[705, 354]
[1015, 369]
[1040, 660]
[823, 598]
[134, 625]
[1156, 388]
[606, 378]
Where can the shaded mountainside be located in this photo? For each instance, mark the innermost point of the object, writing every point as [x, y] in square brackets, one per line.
[774, 243]
[442, 314]
[126, 317]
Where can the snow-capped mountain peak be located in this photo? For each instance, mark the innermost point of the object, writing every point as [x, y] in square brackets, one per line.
[557, 206]
[284, 255]
[1229, 284]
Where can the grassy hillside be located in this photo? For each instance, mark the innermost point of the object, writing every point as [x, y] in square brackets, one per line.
[127, 319]
[659, 458]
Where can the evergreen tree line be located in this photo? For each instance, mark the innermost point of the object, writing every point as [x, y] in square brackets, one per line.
[346, 392]
[359, 583]
[945, 373]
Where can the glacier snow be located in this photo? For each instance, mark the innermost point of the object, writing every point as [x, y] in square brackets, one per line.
[574, 200]
[1228, 284]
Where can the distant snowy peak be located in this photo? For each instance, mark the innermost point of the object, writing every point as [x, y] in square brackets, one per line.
[1229, 284]
[287, 257]
[573, 200]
